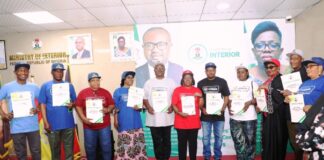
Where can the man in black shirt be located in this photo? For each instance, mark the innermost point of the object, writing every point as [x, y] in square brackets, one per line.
[295, 60]
[210, 85]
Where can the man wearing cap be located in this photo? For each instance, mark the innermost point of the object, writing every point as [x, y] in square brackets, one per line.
[159, 121]
[295, 59]
[243, 121]
[21, 95]
[213, 84]
[95, 130]
[266, 39]
[57, 99]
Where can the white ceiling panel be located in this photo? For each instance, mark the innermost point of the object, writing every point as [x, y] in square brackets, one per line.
[185, 8]
[140, 2]
[284, 13]
[296, 4]
[99, 3]
[87, 24]
[112, 15]
[12, 6]
[57, 26]
[28, 28]
[74, 15]
[211, 6]
[11, 20]
[5, 30]
[147, 10]
[147, 20]
[51, 5]
[184, 18]
[217, 16]
[256, 9]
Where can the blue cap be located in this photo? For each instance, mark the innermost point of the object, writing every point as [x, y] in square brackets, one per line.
[317, 60]
[210, 64]
[21, 64]
[126, 73]
[93, 75]
[57, 66]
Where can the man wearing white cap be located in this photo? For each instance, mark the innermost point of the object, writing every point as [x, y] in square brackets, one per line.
[295, 60]
[243, 121]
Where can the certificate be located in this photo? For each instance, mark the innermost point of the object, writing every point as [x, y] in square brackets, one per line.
[94, 110]
[160, 100]
[291, 81]
[188, 104]
[238, 102]
[60, 94]
[261, 100]
[21, 103]
[135, 97]
[296, 105]
[214, 103]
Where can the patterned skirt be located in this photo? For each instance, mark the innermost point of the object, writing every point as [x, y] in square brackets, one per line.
[131, 145]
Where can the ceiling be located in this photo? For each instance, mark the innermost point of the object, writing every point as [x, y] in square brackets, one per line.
[100, 13]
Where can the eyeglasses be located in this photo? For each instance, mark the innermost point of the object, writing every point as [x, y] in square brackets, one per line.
[270, 45]
[270, 67]
[159, 45]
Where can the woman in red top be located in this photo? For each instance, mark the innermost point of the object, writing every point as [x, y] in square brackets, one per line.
[186, 101]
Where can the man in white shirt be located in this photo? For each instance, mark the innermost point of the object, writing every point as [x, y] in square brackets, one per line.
[81, 51]
[159, 116]
[243, 119]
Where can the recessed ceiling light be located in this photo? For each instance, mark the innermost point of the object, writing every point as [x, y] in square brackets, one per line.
[41, 17]
[223, 6]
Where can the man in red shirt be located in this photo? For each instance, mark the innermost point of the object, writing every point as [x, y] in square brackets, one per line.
[93, 106]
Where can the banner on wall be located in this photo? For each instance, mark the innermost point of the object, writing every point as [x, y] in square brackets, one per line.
[183, 46]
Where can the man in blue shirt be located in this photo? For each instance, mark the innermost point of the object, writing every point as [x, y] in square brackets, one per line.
[58, 119]
[21, 95]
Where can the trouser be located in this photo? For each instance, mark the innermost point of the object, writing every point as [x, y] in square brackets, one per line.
[292, 138]
[162, 142]
[56, 137]
[187, 136]
[243, 134]
[19, 140]
[91, 139]
[208, 127]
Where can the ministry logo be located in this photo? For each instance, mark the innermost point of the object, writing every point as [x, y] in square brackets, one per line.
[197, 53]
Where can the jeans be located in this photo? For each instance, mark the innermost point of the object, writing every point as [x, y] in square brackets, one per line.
[56, 137]
[244, 137]
[186, 136]
[19, 140]
[161, 141]
[92, 137]
[218, 128]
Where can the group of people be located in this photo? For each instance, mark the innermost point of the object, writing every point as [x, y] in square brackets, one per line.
[185, 107]
[172, 99]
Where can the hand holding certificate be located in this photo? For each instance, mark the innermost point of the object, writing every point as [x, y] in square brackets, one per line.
[60, 94]
[21, 103]
[237, 104]
[160, 101]
[188, 104]
[261, 100]
[214, 103]
[291, 81]
[135, 97]
[94, 110]
[296, 105]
